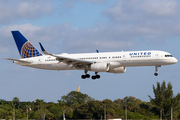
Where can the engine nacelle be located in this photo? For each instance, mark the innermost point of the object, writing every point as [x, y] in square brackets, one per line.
[117, 70]
[100, 67]
[114, 65]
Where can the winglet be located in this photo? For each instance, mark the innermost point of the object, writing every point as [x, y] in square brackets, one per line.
[97, 51]
[43, 50]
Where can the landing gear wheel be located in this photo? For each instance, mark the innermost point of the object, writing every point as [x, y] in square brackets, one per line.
[155, 74]
[156, 70]
[98, 76]
[87, 76]
[83, 76]
[93, 77]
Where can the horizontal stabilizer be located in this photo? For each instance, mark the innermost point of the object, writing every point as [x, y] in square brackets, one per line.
[23, 61]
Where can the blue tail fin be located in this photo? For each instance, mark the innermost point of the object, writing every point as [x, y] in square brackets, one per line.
[26, 49]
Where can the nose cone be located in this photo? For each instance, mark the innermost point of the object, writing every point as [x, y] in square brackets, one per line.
[174, 60]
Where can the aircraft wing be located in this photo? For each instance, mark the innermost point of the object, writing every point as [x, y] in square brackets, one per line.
[23, 61]
[67, 60]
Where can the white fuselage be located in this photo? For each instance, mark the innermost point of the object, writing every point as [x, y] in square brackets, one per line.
[116, 59]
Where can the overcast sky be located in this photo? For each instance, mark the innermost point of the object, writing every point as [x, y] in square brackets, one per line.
[80, 26]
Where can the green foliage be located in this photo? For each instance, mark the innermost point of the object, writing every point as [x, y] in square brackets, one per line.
[69, 113]
[49, 116]
[20, 114]
[15, 100]
[56, 110]
[164, 99]
[132, 103]
[82, 112]
[39, 103]
[77, 105]
[6, 112]
[119, 103]
[75, 98]
[109, 107]
[40, 113]
[2, 101]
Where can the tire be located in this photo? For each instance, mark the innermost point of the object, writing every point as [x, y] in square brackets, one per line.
[87, 76]
[83, 76]
[155, 74]
[98, 76]
[93, 77]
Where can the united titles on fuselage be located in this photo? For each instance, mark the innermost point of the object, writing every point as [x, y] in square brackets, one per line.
[140, 53]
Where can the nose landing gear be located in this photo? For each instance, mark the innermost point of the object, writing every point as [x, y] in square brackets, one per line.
[156, 70]
[155, 74]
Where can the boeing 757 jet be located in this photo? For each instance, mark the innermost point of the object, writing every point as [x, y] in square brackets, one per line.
[112, 62]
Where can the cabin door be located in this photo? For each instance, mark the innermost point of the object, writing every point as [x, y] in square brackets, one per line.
[157, 56]
[124, 57]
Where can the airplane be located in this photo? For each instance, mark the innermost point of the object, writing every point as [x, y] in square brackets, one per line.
[112, 62]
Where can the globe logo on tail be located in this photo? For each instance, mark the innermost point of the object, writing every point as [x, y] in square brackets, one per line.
[28, 50]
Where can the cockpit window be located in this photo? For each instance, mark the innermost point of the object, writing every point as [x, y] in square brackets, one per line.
[168, 56]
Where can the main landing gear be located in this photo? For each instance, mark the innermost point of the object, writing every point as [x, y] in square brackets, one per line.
[96, 76]
[85, 76]
[156, 70]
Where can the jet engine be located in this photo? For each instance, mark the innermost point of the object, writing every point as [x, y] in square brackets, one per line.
[100, 67]
[117, 70]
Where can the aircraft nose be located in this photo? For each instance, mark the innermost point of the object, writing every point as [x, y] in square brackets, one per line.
[175, 60]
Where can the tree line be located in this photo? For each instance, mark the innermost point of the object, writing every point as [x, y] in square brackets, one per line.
[77, 105]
